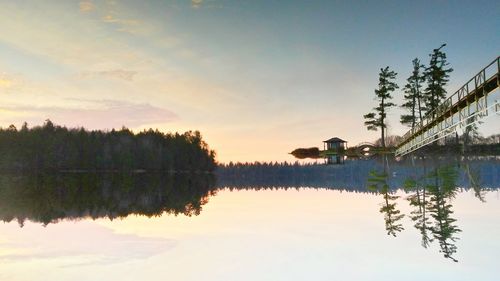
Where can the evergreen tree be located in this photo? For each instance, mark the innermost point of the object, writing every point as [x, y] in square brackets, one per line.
[386, 85]
[437, 75]
[52, 147]
[413, 95]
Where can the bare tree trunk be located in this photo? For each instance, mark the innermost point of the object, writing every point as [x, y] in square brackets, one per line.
[383, 136]
[382, 127]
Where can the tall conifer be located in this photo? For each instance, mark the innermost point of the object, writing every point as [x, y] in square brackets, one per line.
[386, 86]
[413, 96]
[437, 75]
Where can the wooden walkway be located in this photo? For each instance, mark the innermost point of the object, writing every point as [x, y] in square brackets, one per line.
[464, 108]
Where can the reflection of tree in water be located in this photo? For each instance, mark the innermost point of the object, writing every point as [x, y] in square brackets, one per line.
[48, 198]
[349, 177]
[429, 196]
[431, 193]
[473, 175]
[377, 181]
[442, 189]
[418, 201]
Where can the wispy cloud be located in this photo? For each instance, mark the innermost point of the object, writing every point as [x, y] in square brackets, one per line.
[86, 6]
[109, 18]
[126, 75]
[94, 114]
[123, 25]
[108, 14]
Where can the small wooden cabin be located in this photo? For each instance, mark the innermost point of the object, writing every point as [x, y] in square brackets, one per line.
[335, 144]
[334, 148]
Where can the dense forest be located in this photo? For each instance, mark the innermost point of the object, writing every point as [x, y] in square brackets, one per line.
[51, 197]
[52, 147]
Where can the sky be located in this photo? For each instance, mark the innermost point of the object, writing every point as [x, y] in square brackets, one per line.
[256, 78]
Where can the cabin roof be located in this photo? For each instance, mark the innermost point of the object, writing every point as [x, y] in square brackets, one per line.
[335, 139]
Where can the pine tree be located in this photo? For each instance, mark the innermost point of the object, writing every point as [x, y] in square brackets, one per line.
[437, 77]
[413, 96]
[386, 86]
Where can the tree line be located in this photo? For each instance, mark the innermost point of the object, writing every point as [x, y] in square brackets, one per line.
[51, 197]
[352, 176]
[423, 92]
[52, 147]
[262, 175]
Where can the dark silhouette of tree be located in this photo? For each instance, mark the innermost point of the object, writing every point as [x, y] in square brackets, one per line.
[52, 147]
[390, 141]
[442, 188]
[51, 197]
[431, 194]
[352, 176]
[302, 153]
[418, 201]
[413, 95]
[386, 85]
[436, 75]
[471, 134]
[377, 182]
[474, 176]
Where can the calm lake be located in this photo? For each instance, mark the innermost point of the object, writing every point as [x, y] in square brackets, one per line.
[378, 219]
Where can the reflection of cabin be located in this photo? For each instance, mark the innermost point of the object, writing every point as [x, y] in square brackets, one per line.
[334, 148]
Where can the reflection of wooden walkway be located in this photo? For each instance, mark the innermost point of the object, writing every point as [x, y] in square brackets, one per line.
[462, 109]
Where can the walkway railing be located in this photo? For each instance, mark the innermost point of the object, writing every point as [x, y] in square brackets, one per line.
[464, 108]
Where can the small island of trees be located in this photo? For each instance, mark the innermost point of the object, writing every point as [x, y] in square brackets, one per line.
[57, 148]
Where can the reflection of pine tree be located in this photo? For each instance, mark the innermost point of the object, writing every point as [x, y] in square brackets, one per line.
[392, 215]
[377, 181]
[472, 173]
[419, 214]
[441, 190]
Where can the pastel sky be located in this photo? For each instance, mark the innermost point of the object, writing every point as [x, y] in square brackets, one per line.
[257, 78]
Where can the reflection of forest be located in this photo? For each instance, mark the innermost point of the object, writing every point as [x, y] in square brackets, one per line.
[48, 198]
[353, 176]
[429, 186]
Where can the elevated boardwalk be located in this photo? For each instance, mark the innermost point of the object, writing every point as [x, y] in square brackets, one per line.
[464, 108]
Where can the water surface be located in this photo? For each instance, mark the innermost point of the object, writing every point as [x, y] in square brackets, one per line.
[288, 226]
